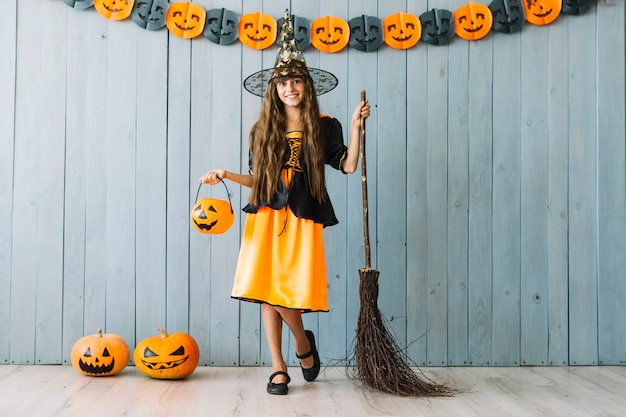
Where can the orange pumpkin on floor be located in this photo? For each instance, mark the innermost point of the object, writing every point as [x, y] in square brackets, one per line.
[100, 354]
[185, 19]
[167, 356]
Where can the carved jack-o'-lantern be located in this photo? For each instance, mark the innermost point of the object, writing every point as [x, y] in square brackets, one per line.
[257, 30]
[542, 12]
[301, 30]
[508, 15]
[212, 215]
[114, 9]
[185, 19]
[330, 34]
[402, 30]
[366, 33]
[577, 6]
[79, 4]
[167, 356]
[472, 21]
[100, 354]
[221, 26]
[150, 14]
[437, 26]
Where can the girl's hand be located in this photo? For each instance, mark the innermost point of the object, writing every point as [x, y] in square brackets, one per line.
[213, 176]
[361, 110]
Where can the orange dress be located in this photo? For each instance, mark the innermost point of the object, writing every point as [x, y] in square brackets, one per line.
[281, 261]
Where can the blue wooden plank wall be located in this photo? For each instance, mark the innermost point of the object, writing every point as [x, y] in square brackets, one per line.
[496, 172]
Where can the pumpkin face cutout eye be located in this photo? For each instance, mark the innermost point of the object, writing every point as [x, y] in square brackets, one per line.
[167, 356]
[402, 30]
[185, 19]
[114, 9]
[437, 26]
[508, 15]
[366, 33]
[100, 354]
[257, 30]
[150, 14]
[576, 6]
[301, 30]
[330, 34]
[472, 21]
[79, 4]
[542, 12]
[221, 26]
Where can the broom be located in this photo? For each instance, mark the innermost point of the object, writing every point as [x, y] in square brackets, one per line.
[379, 359]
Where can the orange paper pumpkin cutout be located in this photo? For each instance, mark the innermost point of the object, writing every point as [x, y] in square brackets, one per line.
[402, 30]
[472, 21]
[330, 34]
[185, 19]
[542, 12]
[114, 9]
[257, 30]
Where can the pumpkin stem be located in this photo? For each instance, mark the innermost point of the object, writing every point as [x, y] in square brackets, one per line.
[99, 332]
[162, 332]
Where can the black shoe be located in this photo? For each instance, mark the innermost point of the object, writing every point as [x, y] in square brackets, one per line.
[310, 373]
[278, 389]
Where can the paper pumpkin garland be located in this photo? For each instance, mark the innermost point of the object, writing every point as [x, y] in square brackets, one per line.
[221, 26]
[185, 19]
[150, 14]
[542, 12]
[114, 9]
[402, 30]
[472, 21]
[301, 28]
[577, 6]
[330, 34]
[79, 4]
[257, 30]
[508, 15]
[366, 33]
[437, 26]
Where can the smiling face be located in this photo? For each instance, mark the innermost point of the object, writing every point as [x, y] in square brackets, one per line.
[472, 21]
[542, 12]
[576, 6]
[114, 9]
[402, 30]
[221, 26]
[290, 91]
[508, 15]
[150, 14]
[185, 19]
[437, 26]
[257, 30]
[330, 34]
[366, 33]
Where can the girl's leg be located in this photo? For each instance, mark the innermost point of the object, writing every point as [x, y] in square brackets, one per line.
[293, 318]
[273, 331]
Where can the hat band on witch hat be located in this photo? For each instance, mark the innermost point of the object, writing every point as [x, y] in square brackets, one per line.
[289, 63]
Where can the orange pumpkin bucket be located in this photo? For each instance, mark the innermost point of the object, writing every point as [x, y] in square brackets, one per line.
[212, 215]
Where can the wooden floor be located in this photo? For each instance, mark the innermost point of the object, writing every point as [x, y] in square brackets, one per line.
[60, 391]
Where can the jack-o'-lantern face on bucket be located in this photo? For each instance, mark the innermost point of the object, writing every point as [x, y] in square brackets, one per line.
[508, 15]
[330, 34]
[437, 26]
[402, 30]
[257, 30]
[150, 14]
[114, 9]
[576, 6]
[366, 33]
[185, 19]
[301, 30]
[542, 12]
[221, 26]
[472, 21]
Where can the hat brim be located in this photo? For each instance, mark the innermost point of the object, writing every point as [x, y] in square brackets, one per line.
[257, 83]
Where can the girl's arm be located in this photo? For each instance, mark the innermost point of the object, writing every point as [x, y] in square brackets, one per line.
[213, 177]
[352, 157]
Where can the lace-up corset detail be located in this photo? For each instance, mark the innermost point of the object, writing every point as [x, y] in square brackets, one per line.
[294, 139]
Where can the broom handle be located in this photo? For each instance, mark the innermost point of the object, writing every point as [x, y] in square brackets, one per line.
[366, 231]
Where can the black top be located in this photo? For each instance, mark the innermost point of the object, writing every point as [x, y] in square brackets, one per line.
[299, 197]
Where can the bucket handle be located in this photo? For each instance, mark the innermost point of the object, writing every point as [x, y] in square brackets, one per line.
[227, 193]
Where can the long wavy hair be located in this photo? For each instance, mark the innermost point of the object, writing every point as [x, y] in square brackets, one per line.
[268, 144]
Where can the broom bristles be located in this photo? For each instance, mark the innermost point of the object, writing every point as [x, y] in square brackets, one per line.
[379, 359]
